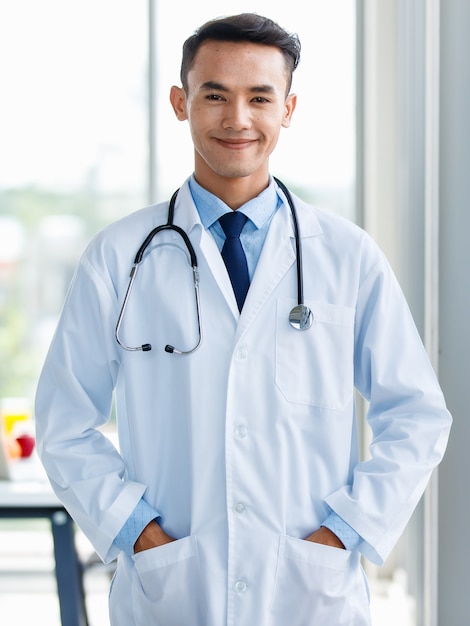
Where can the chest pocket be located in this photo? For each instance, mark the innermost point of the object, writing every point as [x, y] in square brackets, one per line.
[315, 366]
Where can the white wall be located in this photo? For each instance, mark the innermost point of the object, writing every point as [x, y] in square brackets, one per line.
[454, 476]
[416, 127]
[417, 205]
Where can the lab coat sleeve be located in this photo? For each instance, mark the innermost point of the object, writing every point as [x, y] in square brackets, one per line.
[409, 423]
[73, 400]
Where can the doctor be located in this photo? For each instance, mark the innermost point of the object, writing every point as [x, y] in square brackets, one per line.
[238, 496]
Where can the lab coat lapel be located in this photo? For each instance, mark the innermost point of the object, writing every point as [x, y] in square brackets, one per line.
[212, 256]
[277, 257]
[187, 216]
[275, 260]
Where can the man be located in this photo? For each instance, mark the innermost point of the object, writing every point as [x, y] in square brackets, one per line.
[238, 496]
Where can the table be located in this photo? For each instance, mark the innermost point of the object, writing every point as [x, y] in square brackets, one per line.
[28, 495]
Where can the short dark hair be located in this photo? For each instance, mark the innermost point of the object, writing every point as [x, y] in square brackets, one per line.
[244, 27]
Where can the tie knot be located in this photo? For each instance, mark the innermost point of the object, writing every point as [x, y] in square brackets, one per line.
[232, 223]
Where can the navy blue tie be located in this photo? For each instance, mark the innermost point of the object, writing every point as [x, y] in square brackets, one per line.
[234, 256]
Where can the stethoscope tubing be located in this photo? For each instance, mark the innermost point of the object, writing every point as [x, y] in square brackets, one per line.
[298, 247]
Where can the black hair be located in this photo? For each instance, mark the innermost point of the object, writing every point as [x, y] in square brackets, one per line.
[244, 27]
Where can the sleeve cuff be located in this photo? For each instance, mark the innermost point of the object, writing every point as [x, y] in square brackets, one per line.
[349, 537]
[142, 515]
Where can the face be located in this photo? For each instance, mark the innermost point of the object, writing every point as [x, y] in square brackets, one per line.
[236, 105]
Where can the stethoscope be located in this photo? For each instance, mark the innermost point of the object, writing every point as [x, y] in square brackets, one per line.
[300, 317]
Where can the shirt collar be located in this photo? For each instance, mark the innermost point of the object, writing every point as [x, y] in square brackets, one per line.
[210, 208]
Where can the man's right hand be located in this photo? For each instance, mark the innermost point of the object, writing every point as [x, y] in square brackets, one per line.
[151, 537]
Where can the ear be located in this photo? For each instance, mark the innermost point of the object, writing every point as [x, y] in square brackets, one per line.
[290, 105]
[178, 102]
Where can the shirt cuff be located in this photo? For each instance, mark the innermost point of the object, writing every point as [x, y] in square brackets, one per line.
[142, 515]
[349, 537]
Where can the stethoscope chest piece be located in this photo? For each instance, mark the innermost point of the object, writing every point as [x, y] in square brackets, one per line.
[301, 317]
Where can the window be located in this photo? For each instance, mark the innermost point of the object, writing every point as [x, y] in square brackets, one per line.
[73, 156]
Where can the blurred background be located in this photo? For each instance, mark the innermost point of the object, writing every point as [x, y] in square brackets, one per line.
[380, 135]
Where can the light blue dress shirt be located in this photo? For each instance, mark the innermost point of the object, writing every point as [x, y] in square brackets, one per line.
[260, 211]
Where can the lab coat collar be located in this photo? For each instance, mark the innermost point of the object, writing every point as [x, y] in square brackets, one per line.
[187, 216]
[186, 213]
[309, 225]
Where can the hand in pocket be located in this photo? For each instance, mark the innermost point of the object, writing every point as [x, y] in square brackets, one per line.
[152, 536]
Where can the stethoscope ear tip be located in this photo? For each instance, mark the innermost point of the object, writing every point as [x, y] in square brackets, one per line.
[146, 347]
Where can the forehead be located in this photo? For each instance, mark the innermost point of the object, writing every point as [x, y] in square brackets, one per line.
[238, 63]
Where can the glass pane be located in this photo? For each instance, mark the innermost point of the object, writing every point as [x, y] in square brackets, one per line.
[73, 154]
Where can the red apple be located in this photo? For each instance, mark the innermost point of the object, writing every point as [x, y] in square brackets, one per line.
[26, 443]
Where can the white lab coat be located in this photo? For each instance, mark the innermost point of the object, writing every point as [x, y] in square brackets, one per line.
[244, 445]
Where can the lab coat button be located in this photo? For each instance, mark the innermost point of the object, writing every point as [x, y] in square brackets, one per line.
[240, 586]
[242, 353]
[239, 507]
[241, 432]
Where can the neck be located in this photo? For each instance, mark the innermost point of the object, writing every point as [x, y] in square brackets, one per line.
[235, 192]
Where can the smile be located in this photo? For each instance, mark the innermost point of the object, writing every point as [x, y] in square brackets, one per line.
[236, 144]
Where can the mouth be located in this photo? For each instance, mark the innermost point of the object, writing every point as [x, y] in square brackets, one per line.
[235, 144]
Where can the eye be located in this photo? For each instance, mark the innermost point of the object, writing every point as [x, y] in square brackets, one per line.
[215, 97]
[260, 100]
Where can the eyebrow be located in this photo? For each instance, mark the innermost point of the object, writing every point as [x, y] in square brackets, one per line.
[213, 85]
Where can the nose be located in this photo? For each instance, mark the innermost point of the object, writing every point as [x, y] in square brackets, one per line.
[237, 116]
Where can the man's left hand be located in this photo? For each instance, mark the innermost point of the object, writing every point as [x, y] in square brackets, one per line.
[326, 537]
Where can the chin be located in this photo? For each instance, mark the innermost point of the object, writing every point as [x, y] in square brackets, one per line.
[236, 171]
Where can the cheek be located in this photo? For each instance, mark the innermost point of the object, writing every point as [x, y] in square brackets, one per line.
[274, 132]
[201, 120]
